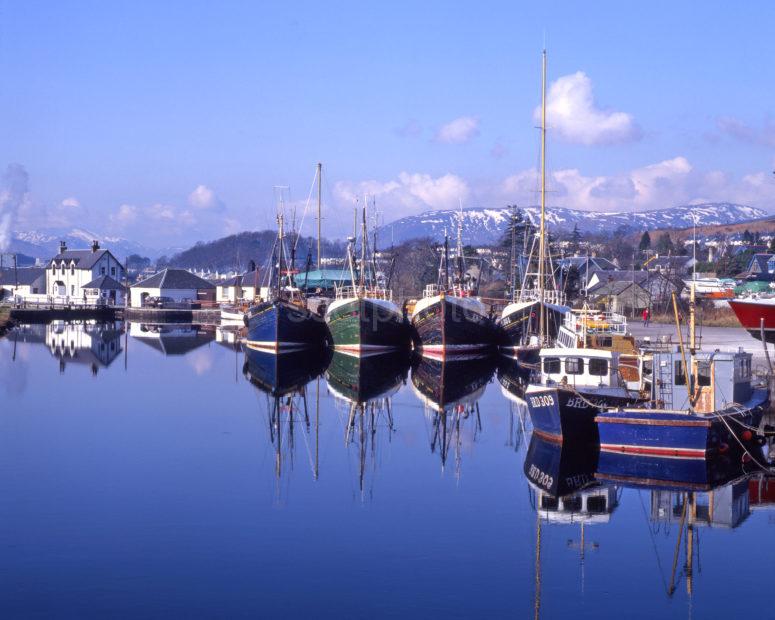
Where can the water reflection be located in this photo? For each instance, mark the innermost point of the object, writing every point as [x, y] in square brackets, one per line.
[363, 386]
[172, 339]
[450, 390]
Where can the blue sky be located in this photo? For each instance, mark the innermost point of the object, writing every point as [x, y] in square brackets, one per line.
[171, 122]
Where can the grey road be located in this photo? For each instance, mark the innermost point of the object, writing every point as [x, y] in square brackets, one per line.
[724, 338]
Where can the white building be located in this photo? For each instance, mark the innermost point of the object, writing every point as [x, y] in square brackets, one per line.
[241, 288]
[72, 272]
[24, 284]
[177, 284]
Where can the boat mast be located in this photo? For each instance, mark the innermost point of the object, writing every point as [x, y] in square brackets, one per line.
[460, 265]
[513, 282]
[542, 231]
[320, 192]
[693, 292]
[280, 243]
[446, 261]
[364, 243]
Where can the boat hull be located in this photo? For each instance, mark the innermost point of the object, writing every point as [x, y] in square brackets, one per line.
[450, 325]
[750, 313]
[364, 325]
[279, 327]
[676, 435]
[563, 414]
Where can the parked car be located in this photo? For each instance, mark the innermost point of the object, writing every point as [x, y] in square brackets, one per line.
[158, 302]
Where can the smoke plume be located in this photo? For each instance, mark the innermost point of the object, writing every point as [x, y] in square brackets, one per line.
[13, 192]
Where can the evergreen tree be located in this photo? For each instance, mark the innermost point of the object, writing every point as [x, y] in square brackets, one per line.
[645, 242]
[747, 237]
[575, 239]
[664, 244]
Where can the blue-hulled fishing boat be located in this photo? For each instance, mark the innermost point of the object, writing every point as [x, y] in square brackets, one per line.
[283, 323]
[688, 418]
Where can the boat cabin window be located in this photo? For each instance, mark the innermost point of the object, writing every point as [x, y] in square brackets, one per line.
[551, 365]
[703, 373]
[604, 342]
[572, 504]
[574, 365]
[680, 375]
[598, 367]
[745, 369]
[597, 504]
[548, 502]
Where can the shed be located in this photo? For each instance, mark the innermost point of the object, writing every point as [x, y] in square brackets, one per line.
[178, 284]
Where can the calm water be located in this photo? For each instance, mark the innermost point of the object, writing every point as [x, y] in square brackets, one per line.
[146, 475]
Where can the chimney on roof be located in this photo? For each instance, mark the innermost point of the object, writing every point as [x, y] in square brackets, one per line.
[95, 245]
[62, 247]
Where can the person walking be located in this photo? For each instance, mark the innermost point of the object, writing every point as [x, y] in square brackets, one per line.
[646, 317]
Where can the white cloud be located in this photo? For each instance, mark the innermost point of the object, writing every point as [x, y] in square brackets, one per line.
[458, 131]
[660, 185]
[762, 136]
[409, 194]
[204, 198]
[573, 114]
[71, 203]
[126, 214]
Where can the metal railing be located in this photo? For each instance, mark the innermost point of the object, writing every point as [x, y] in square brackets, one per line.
[373, 292]
[596, 322]
[550, 296]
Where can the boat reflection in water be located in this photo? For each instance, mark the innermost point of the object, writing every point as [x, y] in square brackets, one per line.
[514, 378]
[576, 484]
[283, 379]
[364, 385]
[450, 390]
[564, 491]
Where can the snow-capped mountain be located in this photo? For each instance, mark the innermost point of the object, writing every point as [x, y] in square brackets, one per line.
[487, 226]
[45, 243]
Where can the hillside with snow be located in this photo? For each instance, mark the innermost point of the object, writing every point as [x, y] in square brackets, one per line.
[44, 243]
[487, 226]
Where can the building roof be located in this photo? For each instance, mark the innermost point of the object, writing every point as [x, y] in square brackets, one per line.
[249, 278]
[26, 275]
[616, 287]
[105, 283]
[83, 259]
[760, 260]
[174, 279]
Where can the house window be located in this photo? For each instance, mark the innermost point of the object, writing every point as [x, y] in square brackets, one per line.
[35, 290]
[53, 269]
[112, 271]
[551, 365]
[72, 270]
[574, 365]
[102, 271]
[72, 289]
[63, 268]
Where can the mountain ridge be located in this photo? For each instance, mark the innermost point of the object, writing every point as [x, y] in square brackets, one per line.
[485, 226]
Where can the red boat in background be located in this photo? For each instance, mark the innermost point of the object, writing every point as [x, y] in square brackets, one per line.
[750, 313]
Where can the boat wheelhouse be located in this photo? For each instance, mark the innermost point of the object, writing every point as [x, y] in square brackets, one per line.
[698, 406]
[574, 384]
[587, 328]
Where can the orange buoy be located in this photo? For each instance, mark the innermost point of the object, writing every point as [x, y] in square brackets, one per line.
[747, 435]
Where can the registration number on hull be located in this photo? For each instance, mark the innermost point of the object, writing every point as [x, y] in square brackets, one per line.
[542, 400]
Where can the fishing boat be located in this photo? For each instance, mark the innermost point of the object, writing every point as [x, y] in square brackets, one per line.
[713, 288]
[535, 313]
[363, 317]
[450, 318]
[283, 323]
[756, 315]
[689, 419]
[279, 375]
